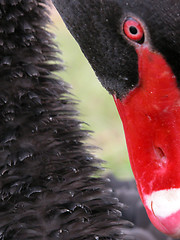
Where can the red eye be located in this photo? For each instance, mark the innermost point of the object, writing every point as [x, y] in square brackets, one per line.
[133, 30]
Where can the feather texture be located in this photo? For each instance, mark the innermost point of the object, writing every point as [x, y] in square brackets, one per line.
[46, 186]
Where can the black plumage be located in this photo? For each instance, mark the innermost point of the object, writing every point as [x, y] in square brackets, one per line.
[47, 188]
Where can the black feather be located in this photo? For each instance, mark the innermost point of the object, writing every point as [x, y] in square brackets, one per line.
[46, 186]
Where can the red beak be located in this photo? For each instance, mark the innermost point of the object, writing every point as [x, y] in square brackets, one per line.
[151, 119]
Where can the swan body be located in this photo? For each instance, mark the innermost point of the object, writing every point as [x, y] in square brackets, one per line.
[47, 188]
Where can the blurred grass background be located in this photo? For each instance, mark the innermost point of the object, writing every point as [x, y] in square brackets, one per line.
[96, 106]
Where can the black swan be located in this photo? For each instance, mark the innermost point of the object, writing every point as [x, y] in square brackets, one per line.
[46, 171]
[133, 47]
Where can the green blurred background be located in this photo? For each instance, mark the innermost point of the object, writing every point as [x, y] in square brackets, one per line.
[96, 106]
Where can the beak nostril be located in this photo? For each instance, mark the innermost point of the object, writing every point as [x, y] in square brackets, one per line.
[160, 158]
[159, 152]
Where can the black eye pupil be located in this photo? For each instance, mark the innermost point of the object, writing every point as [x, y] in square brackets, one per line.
[133, 30]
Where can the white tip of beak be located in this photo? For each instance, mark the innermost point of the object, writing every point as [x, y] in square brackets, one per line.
[163, 208]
